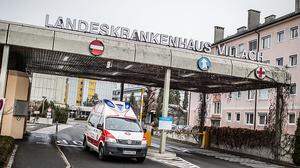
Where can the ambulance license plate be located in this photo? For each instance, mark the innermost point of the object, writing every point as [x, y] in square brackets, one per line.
[129, 152]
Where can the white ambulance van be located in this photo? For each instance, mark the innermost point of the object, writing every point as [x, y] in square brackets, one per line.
[113, 130]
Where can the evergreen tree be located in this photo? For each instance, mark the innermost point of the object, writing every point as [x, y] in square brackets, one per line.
[174, 97]
[159, 103]
[185, 100]
[296, 154]
[133, 102]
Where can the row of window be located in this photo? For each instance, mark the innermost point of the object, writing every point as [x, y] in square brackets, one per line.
[262, 118]
[266, 41]
[279, 61]
[263, 94]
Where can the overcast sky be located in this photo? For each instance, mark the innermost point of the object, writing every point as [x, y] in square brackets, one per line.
[184, 18]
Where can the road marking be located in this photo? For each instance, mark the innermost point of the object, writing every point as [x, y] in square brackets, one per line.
[12, 157]
[74, 142]
[63, 156]
[68, 145]
[65, 141]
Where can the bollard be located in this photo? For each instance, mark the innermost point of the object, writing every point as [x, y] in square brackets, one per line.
[148, 137]
[204, 143]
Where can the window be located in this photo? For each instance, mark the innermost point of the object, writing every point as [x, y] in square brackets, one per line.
[266, 42]
[262, 118]
[293, 89]
[252, 45]
[237, 95]
[215, 123]
[266, 61]
[233, 51]
[93, 120]
[263, 94]
[279, 61]
[217, 107]
[294, 32]
[293, 60]
[280, 36]
[292, 118]
[229, 116]
[241, 48]
[249, 118]
[229, 95]
[251, 94]
[238, 117]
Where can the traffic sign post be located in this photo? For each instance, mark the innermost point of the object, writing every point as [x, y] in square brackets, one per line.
[96, 47]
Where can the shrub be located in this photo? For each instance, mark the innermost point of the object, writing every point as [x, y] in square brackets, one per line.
[6, 147]
[296, 154]
[60, 115]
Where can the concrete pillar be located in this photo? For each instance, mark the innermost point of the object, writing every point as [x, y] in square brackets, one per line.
[3, 76]
[297, 6]
[253, 19]
[165, 109]
[218, 33]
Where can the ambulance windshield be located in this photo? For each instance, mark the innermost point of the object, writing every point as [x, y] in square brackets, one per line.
[122, 124]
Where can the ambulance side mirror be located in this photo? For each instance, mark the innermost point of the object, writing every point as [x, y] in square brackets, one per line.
[100, 126]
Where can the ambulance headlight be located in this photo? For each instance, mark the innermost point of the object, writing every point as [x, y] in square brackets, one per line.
[110, 140]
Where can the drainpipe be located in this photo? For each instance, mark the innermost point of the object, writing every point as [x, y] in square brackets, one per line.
[255, 99]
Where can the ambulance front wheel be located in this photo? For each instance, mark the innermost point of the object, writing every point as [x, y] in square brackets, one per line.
[140, 159]
[85, 146]
[101, 154]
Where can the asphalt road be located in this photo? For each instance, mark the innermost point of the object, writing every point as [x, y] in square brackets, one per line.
[70, 139]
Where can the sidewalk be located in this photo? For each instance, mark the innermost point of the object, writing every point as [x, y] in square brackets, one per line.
[168, 158]
[191, 149]
[37, 150]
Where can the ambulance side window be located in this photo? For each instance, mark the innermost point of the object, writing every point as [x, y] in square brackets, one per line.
[93, 120]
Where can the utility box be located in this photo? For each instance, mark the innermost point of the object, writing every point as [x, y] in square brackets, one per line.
[20, 108]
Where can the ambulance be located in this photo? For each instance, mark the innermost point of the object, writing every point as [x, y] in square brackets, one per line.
[113, 130]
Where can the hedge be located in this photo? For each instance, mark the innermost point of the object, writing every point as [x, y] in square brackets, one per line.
[6, 147]
[241, 137]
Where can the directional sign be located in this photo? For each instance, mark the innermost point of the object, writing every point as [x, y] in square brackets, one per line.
[96, 48]
[203, 63]
[165, 123]
[260, 73]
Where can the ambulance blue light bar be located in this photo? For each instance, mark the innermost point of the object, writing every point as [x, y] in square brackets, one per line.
[109, 103]
[127, 105]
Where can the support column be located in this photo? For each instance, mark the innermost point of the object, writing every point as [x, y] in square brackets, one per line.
[3, 76]
[162, 146]
[122, 91]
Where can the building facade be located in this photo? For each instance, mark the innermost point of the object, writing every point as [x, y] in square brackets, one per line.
[51, 86]
[278, 42]
[81, 90]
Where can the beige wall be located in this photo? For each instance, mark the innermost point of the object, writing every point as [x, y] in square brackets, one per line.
[17, 88]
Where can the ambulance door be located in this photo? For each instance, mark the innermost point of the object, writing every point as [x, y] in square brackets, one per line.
[91, 128]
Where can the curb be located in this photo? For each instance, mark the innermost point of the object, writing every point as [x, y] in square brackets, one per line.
[12, 157]
[63, 156]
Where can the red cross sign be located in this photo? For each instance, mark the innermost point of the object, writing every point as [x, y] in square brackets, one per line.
[260, 73]
[96, 47]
